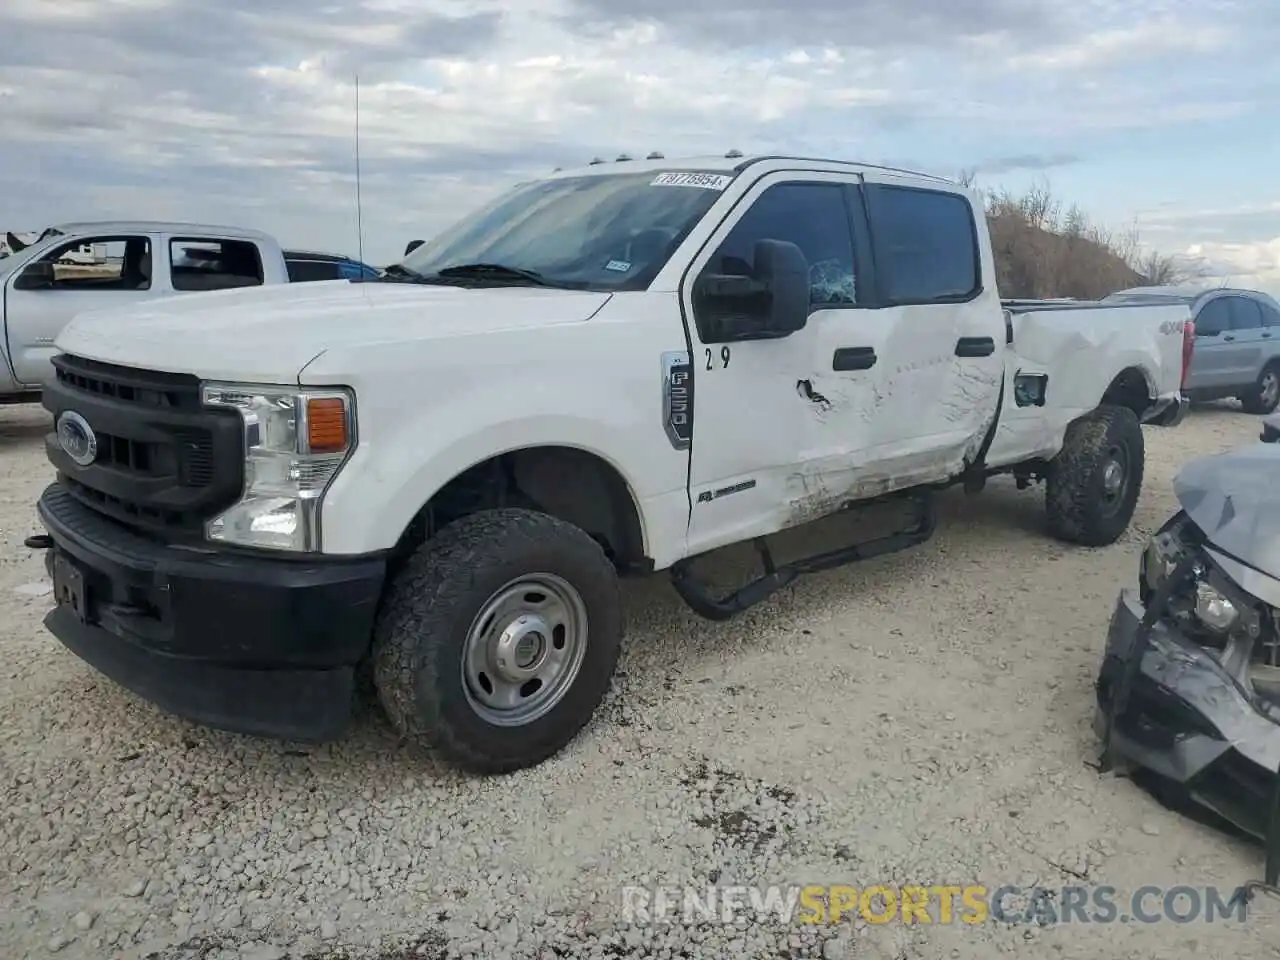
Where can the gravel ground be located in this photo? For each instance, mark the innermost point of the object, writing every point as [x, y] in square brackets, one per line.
[922, 719]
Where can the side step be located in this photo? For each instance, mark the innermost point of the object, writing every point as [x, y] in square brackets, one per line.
[699, 599]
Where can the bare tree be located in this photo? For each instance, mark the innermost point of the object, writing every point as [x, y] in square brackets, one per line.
[1042, 252]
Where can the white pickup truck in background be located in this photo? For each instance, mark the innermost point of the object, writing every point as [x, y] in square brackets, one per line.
[441, 473]
[45, 284]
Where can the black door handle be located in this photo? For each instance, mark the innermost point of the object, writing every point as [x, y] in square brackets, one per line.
[854, 358]
[975, 347]
[1266, 336]
[1228, 337]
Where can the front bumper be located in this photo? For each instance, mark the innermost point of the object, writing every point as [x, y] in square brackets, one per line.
[1187, 720]
[252, 644]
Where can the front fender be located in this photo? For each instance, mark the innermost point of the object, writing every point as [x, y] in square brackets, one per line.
[381, 489]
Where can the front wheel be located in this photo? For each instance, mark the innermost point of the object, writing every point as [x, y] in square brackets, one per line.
[1093, 483]
[1264, 396]
[498, 639]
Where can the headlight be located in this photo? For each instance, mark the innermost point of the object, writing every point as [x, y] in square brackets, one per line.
[296, 440]
[1214, 609]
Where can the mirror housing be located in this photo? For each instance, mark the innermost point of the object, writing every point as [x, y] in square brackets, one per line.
[35, 276]
[773, 302]
[412, 246]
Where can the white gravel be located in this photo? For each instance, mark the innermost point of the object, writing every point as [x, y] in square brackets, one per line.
[919, 719]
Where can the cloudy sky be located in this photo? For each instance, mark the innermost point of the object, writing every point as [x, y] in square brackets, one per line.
[1163, 112]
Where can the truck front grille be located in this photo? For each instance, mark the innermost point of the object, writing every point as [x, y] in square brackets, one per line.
[165, 462]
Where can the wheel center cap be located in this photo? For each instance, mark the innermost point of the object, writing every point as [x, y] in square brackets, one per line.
[527, 650]
[520, 648]
[1112, 477]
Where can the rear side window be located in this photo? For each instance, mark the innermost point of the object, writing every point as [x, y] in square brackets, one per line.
[1270, 315]
[1245, 314]
[306, 271]
[202, 264]
[925, 245]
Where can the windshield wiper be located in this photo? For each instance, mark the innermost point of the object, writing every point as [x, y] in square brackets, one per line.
[495, 271]
[398, 271]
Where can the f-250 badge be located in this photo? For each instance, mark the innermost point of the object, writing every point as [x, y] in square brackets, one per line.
[677, 398]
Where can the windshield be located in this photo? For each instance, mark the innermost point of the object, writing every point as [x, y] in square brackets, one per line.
[608, 232]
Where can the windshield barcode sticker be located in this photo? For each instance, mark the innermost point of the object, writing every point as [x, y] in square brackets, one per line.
[706, 181]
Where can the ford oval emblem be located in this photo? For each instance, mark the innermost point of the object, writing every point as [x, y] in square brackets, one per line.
[77, 438]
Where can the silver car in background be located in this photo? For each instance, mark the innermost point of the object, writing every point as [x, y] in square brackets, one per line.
[1237, 351]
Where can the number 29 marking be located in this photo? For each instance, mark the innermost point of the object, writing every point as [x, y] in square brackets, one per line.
[724, 358]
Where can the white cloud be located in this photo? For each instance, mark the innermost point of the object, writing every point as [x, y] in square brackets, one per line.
[244, 111]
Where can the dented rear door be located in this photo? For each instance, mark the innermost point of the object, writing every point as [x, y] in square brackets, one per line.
[934, 302]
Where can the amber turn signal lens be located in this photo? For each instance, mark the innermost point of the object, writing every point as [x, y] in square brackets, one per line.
[326, 425]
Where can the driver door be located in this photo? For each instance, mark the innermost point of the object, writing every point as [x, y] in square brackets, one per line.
[34, 317]
[782, 425]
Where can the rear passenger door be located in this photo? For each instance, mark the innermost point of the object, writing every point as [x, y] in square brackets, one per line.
[941, 359]
[1246, 337]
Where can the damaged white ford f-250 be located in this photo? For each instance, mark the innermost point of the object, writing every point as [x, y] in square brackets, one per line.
[616, 369]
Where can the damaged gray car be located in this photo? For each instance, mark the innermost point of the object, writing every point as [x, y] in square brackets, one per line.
[1189, 687]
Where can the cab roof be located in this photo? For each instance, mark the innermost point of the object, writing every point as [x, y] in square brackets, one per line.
[732, 163]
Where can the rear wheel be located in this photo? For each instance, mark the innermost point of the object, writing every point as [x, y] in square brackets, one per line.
[498, 639]
[1264, 396]
[1093, 483]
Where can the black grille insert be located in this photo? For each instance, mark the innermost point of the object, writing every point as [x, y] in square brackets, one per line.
[165, 462]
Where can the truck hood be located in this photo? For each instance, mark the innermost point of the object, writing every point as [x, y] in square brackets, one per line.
[269, 334]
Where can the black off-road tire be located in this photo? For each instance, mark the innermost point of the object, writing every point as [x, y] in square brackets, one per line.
[422, 627]
[1075, 497]
[1264, 395]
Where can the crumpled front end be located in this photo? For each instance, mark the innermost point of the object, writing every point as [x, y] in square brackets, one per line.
[1189, 686]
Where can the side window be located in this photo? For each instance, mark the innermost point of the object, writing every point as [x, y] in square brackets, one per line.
[1214, 318]
[814, 217]
[101, 263]
[309, 271]
[1270, 315]
[1245, 314]
[925, 245]
[203, 264]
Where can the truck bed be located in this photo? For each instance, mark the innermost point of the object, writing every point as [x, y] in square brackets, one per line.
[1051, 355]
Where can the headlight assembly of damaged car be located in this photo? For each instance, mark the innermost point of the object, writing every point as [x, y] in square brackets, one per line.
[1214, 608]
[296, 440]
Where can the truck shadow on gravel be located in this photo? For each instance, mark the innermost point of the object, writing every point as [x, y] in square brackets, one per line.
[430, 946]
[22, 428]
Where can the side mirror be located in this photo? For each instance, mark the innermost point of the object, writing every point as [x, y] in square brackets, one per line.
[35, 276]
[413, 245]
[772, 302]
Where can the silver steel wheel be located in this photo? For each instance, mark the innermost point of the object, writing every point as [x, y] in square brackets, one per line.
[524, 650]
[1269, 388]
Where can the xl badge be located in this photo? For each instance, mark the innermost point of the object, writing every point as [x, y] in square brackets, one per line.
[77, 438]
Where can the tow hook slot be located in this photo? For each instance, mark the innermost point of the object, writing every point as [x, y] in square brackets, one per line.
[39, 541]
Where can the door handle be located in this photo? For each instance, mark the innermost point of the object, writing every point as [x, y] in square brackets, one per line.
[975, 347]
[1228, 338]
[854, 358]
[1266, 336]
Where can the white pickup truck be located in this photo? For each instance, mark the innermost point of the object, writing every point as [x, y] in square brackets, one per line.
[45, 284]
[442, 473]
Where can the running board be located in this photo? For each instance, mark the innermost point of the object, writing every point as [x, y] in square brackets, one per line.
[700, 600]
